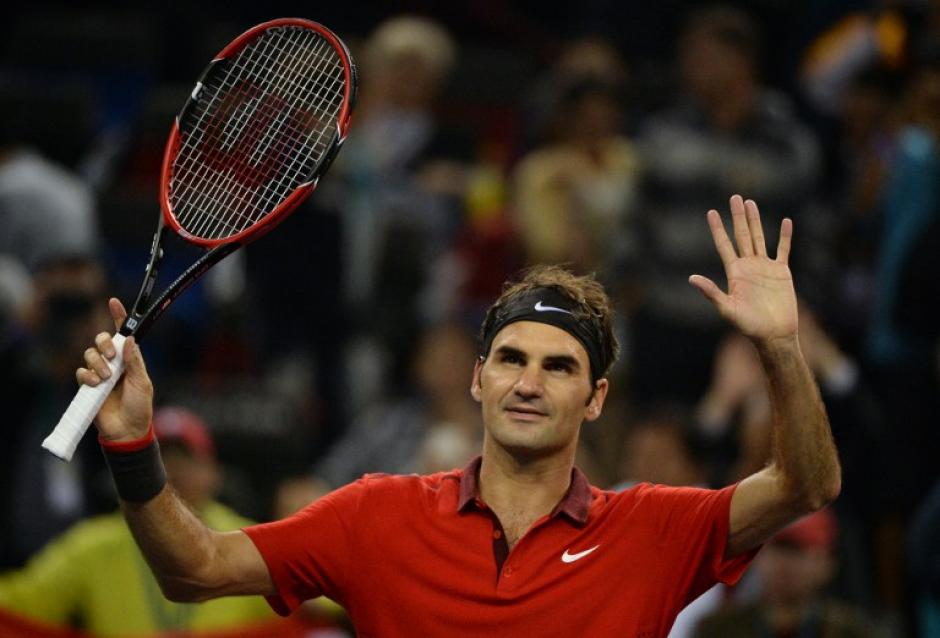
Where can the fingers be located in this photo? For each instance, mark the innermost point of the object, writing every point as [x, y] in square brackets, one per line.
[105, 345]
[87, 377]
[748, 232]
[118, 313]
[742, 234]
[712, 292]
[722, 242]
[757, 230]
[783, 246]
[96, 366]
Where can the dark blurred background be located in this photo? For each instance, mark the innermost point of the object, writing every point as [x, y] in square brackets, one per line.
[489, 136]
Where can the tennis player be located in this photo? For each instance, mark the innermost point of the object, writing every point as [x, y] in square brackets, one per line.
[518, 543]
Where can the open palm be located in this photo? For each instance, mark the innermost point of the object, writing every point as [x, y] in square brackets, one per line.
[760, 301]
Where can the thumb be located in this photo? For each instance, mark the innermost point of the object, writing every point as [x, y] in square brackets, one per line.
[711, 292]
[118, 313]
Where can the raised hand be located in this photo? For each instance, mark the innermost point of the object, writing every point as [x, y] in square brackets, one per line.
[127, 411]
[760, 302]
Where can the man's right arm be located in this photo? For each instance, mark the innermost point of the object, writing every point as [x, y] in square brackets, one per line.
[190, 561]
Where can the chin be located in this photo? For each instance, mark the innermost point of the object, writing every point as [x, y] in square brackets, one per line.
[527, 447]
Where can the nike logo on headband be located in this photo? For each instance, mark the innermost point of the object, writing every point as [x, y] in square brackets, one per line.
[540, 307]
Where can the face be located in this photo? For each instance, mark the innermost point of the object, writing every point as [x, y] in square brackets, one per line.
[708, 66]
[793, 575]
[535, 387]
[656, 453]
[435, 371]
[196, 480]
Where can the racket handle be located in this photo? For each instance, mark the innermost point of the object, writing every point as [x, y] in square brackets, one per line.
[84, 408]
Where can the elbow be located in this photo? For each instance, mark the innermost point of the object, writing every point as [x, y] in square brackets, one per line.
[189, 590]
[824, 494]
[182, 592]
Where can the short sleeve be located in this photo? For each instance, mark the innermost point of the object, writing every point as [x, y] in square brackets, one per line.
[310, 553]
[694, 526]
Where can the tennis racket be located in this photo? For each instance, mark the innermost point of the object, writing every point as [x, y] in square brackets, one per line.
[260, 128]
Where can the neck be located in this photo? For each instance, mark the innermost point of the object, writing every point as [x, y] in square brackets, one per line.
[529, 487]
[732, 108]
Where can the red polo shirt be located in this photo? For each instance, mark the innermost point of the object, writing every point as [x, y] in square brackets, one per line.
[424, 556]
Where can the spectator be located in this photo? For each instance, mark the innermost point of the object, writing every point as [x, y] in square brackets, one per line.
[47, 212]
[94, 578]
[575, 198]
[734, 413]
[901, 357]
[389, 436]
[396, 185]
[726, 133]
[795, 566]
[46, 495]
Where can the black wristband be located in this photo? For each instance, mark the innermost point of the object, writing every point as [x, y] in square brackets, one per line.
[138, 475]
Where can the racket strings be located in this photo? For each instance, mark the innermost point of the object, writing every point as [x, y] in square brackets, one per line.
[265, 57]
[257, 131]
[231, 193]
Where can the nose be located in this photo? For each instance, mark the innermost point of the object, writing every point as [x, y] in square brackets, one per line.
[529, 383]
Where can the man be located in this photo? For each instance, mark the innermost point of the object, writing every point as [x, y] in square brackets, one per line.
[44, 497]
[724, 132]
[518, 543]
[795, 568]
[93, 577]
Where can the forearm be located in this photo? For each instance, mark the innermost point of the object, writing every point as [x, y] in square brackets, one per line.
[179, 548]
[804, 453]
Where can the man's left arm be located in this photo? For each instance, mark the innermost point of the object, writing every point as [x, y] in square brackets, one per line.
[804, 474]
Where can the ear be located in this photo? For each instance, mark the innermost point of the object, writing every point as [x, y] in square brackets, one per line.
[594, 407]
[476, 390]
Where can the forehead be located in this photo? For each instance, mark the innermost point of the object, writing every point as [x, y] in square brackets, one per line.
[538, 339]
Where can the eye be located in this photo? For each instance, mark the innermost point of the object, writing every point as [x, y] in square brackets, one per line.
[511, 358]
[558, 366]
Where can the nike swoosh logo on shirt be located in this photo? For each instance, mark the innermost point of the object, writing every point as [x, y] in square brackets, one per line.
[540, 307]
[570, 558]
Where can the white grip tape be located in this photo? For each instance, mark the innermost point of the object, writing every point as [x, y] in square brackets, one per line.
[84, 407]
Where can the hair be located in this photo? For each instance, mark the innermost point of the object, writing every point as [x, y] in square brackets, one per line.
[592, 301]
[416, 35]
[728, 24]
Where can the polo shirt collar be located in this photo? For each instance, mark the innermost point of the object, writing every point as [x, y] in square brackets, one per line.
[575, 504]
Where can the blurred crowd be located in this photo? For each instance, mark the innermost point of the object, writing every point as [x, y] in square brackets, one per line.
[488, 137]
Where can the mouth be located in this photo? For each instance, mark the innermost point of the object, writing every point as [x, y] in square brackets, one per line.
[525, 413]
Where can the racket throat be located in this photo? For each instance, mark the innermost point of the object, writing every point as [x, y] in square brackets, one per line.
[133, 322]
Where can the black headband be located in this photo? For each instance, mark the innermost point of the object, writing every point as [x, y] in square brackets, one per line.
[549, 306]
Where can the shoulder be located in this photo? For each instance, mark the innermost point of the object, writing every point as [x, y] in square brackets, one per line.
[388, 485]
[96, 531]
[387, 497]
[382, 486]
[89, 542]
[653, 492]
[667, 502]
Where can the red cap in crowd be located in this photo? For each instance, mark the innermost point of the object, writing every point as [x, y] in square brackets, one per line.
[179, 425]
[819, 530]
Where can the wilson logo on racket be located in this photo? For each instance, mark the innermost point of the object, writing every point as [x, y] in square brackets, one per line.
[250, 155]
